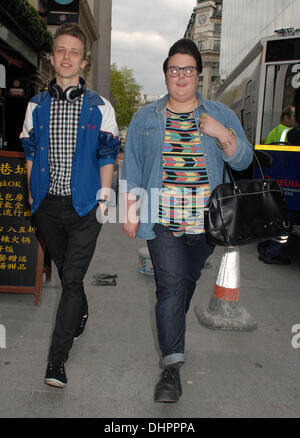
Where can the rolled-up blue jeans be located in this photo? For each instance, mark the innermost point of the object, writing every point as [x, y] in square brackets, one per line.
[177, 264]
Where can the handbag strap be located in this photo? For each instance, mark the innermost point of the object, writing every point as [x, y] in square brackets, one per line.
[228, 169]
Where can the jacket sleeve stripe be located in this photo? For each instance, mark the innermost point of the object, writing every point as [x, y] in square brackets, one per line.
[109, 138]
[109, 123]
[27, 135]
[28, 122]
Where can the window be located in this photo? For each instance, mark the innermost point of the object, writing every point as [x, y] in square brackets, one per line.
[215, 69]
[217, 45]
[42, 5]
[201, 45]
[42, 9]
[217, 27]
[279, 93]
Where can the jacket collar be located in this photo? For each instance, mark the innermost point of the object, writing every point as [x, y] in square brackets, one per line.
[92, 98]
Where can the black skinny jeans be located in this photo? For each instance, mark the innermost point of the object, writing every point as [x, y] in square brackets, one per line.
[70, 241]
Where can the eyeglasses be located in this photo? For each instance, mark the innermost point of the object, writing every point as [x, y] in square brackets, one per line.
[188, 71]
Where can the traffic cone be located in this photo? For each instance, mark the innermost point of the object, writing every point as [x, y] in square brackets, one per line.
[225, 312]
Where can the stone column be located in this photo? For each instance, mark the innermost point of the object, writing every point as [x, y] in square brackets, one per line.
[207, 72]
[102, 49]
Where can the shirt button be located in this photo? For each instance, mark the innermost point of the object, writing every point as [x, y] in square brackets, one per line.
[42, 148]
[41, 126]
[43, 170]
[82, 126]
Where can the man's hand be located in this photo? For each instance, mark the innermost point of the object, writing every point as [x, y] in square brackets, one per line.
[103, 209]
[131, 223]
[211, 127]
[30, 199]
[130, 229]
[29, 165]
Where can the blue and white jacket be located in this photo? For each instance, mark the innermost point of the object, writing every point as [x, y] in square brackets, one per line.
[97, 145]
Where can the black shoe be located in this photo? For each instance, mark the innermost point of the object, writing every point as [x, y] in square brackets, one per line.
[55, 374]
[81, 327]
[278, 260]
[168, 389]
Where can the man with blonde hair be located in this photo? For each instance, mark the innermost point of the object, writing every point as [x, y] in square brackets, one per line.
[71, 139]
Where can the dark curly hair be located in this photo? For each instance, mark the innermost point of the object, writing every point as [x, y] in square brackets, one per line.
[185, 46]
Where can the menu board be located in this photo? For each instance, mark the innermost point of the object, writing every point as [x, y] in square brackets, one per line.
[21, 252]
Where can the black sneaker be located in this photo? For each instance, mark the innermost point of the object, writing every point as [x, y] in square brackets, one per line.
[168, 389]
[278, 260]
[81, 327]
[55, 374]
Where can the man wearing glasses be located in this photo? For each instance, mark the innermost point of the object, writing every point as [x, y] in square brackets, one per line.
[175, 151]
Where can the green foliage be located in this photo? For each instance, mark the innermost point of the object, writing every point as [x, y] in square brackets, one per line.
[29, 20]
[125, 91]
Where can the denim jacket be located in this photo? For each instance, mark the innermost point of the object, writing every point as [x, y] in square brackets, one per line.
[142, 172]
[97, 145]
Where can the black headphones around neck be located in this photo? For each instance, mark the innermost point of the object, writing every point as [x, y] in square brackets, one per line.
[71, 94]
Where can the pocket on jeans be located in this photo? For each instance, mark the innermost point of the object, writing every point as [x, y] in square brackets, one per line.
[40, 207]
[159, 228]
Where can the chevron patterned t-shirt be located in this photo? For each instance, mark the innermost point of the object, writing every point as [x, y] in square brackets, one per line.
[185, 188]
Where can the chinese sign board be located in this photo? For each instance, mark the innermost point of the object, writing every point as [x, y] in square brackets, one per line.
[21, 255]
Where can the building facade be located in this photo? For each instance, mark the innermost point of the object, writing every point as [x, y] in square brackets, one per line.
[23, 42]
[25, 66]
[102, 48]
[204, 28]
[244, 23]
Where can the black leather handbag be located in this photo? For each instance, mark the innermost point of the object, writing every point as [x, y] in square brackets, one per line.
[245, 211]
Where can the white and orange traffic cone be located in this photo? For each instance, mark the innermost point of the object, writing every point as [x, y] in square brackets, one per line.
[225, 312]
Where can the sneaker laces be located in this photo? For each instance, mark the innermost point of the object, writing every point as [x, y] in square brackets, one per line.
[170, 374]
[83, 320]
[58, 366]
